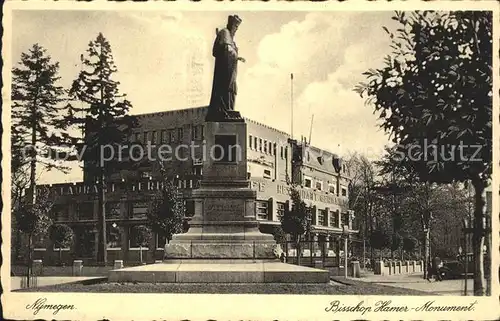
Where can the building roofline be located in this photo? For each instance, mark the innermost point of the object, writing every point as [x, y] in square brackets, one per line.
[201, 109]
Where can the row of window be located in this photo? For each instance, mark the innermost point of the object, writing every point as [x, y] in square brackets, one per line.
[318, 185]
[85, 211]
[114, 237]
[175, 135]
[262, 211]
[266, 147]
[334, 219]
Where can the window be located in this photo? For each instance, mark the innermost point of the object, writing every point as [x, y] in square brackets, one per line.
[321, 217]
[307, 182]
[286, 152]
[164, 138]
[145, 137]
[344, 191]
[261, 210]
[137, 137]
[85, 211]
[139, 209]
[133, 238]
[265, 146]
[250, 141]
[267, 173]
[197, 170]
[255, 143]
[112, 210]
[180, 134]
[345, 219]
[260, 144]
[281, 152]
[274, 149]
[334, 219]
[331, 188]
[60, 212]
[39, 241]
[308, 156]
[160, 241]
[171, 136]
[319, 186]
[113, 236]
[153, 138]
[197, 133]
[280, 209]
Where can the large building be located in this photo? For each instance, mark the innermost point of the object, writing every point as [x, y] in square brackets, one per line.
[275, 161]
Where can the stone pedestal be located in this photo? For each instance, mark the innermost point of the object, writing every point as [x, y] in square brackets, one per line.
[118, 264]
[224, 225]
[37, 267]
[356, 270]
[77, 267]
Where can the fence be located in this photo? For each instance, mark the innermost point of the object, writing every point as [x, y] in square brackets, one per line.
[33, 282]
[314, 254]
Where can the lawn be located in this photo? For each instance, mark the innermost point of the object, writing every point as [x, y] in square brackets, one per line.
[348, 287]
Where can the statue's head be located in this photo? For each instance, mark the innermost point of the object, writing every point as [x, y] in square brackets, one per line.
[233, 22]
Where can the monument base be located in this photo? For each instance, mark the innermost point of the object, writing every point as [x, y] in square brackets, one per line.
[213, 271]
[210, 249]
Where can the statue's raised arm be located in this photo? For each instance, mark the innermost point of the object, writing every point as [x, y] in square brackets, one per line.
[224, 88]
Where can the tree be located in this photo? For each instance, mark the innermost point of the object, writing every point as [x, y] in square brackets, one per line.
[409, 244]
[167, 208]
[37, 128]
[62, 237]
[362, 193]
[297, 220]
[279, 234]
[142, 237]
[436, 89]
[379, 240]
[33, 220]
[104, 120]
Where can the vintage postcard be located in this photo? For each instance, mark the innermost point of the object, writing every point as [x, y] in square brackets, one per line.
[257, 160]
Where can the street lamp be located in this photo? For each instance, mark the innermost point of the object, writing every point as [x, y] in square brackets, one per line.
[345, 234]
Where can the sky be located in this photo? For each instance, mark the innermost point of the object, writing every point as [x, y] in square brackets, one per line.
[326, 51]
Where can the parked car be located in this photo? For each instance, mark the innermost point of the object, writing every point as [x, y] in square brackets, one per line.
[456, 268]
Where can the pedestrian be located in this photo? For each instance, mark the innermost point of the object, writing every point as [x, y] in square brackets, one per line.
[430, 272]
[436, 264]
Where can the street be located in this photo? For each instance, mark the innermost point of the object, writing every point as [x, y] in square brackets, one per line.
[416, 282]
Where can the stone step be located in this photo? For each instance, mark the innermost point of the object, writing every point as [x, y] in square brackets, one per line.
[204, 272]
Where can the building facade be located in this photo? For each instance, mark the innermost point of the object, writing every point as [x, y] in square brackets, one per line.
[275, 162]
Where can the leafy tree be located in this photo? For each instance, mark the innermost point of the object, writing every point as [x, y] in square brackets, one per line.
[142, 235]
[297, 220]
[409, 244]
[62, 237]
[362, 193]
[37, 129]
[436, 89]
[33, 220]
[167, 209]
[379, 240]
[104, 119]
[279, 234]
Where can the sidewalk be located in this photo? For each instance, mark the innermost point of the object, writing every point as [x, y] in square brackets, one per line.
[417, 282]
[16, 282]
